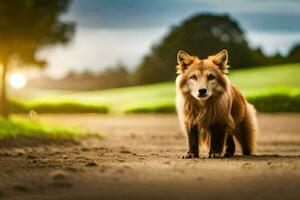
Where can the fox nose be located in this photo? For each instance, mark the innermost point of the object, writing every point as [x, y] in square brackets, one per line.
[202, 92]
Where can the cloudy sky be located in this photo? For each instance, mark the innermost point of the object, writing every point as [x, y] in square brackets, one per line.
[122, 31]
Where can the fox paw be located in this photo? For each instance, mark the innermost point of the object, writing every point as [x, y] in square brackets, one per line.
[190, 155]
[227, 155]
[214, 155]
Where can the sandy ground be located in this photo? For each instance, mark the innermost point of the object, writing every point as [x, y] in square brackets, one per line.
[139, 159]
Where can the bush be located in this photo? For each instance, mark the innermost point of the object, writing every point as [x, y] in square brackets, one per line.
[262, 102]
[15, 106]
[160, 108]
[276, 103]
[68, 107]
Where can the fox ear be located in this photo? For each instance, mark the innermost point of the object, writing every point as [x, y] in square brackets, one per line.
[221, 59]
[184, 60]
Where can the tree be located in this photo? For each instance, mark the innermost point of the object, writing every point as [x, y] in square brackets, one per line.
[26, 26]
[201, 35]
[294, 54]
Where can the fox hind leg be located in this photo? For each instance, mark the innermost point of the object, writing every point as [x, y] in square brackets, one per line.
[247, 132]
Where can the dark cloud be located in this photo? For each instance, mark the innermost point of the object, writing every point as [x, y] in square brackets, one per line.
[132, 13]
[271, 22]
[121, 14]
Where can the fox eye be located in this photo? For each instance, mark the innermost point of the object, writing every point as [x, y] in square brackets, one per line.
[211, 77]
[194, 77]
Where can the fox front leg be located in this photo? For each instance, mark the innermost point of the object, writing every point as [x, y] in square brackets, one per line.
[193, 141]
[218, 133]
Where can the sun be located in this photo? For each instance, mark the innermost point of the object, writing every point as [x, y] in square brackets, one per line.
[17, 81]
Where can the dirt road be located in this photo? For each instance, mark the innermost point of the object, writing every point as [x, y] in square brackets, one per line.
[139, 159]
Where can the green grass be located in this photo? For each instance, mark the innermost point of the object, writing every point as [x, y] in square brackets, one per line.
[256, 83]
[266, 78]
[17, 106]
[18, 126]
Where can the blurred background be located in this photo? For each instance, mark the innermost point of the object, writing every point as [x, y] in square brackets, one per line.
[74, 73]
[116, 56]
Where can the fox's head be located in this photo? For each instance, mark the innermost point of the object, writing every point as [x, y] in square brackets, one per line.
[202, 78]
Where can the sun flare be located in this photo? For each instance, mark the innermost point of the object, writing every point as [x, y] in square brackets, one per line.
[17, 81]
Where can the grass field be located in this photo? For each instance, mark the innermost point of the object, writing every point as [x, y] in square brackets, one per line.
[19, 126]
[281, 82]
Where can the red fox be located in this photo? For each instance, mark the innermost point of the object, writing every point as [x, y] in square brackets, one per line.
[211, 109]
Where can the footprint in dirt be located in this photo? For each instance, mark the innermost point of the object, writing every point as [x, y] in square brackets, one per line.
[31, 156]
[124, 150]
[91, 164]
[21, 188]
[60, 179]
[19, 152]
[247, 165]
[84, 149]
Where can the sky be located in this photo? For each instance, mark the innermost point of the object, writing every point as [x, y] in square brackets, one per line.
[109, 32]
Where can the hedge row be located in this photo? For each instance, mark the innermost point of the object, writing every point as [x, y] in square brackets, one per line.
[56, 107]
[262, 103]
[276, 103]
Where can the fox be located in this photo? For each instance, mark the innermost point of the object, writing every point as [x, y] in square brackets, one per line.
[211, 110]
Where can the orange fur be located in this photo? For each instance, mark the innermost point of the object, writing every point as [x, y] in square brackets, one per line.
[218, 116]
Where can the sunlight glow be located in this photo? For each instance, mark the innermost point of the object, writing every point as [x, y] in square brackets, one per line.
[17, 81]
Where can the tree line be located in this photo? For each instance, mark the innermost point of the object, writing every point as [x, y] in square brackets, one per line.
[28, 26]
[201, 35]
